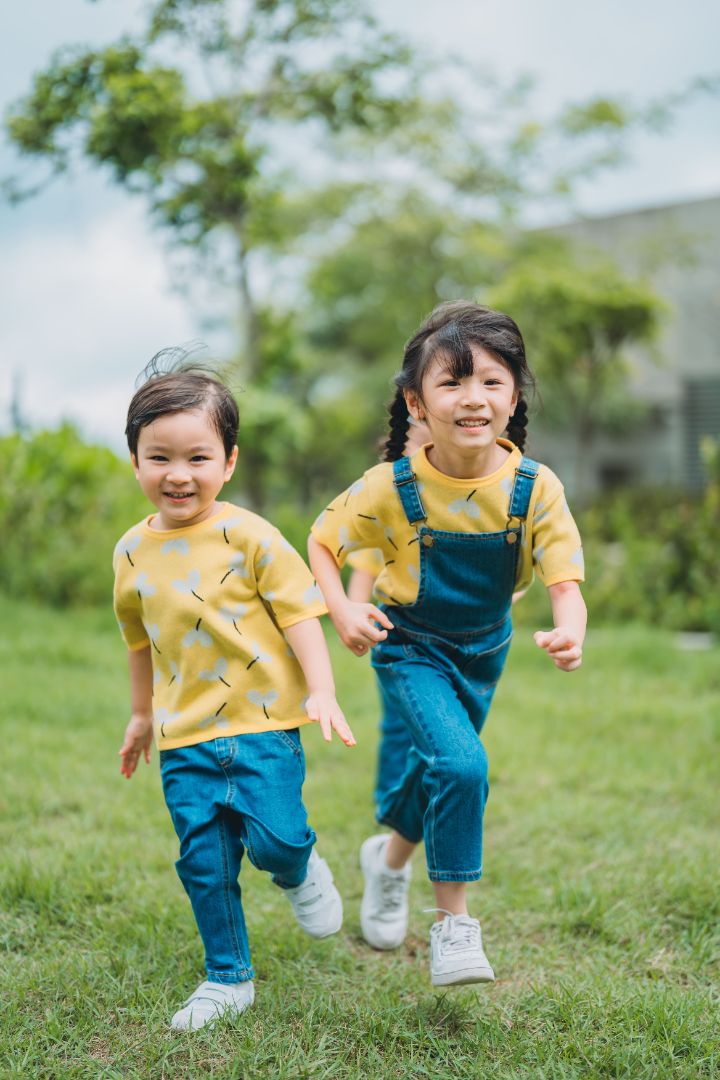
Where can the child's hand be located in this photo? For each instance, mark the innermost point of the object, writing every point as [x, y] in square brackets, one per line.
[325, 711]
[138, 740]
[561, 646]
[355, 624]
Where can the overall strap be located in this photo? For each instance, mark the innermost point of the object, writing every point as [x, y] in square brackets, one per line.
[406, 485]
[525, 477]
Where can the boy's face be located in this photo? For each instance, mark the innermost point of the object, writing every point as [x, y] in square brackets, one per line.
[181, 467]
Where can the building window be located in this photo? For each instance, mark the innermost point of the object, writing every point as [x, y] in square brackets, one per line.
[701, 416]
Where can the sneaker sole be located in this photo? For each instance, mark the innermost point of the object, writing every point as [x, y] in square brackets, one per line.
[462, 978]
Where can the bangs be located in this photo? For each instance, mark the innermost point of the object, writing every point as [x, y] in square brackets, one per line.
[452, 349]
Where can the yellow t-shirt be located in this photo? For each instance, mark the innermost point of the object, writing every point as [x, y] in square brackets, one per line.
[368, 560]
[212, 600]
[370, 515]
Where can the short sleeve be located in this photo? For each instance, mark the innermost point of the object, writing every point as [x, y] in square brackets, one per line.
[285, 583]
[126, 602]
[557, 547]
[349, 523]
[368, 561]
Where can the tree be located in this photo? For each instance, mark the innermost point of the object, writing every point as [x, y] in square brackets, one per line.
[579, 314]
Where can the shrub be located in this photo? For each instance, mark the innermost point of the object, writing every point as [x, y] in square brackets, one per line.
[63, 506]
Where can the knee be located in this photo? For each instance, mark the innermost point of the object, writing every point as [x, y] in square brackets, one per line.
[277, 856]
[468, 771]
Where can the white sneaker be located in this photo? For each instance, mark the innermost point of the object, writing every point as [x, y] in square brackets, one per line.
[384, 909]
[456, 952]
[210, 1001]
[316, 902]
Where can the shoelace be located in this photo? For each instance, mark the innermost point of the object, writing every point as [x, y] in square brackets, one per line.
[457, 936]
[392, 890]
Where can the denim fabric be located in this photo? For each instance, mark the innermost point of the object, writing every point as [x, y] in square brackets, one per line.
[227, 796]
[437, 671]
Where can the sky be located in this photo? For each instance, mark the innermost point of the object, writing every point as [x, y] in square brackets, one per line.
[86, 292]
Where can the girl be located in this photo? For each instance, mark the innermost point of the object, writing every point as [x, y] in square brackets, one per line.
[227, 660]
[461, 524]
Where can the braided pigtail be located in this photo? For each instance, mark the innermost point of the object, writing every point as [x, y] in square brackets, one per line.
[399, 422]
[517, 424]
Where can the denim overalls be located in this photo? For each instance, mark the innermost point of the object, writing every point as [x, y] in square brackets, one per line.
[437, 670]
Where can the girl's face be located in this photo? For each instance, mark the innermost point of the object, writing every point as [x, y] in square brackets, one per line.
[181, 467]
[465, 416]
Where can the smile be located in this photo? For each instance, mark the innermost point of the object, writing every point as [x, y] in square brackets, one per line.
[178, 496]
[471, 422]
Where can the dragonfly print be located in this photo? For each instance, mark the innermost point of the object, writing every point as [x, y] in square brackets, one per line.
[233, 612]
[215, 719]
[181, 546]
[189, 585]
[258, 657]
[130, 547]
[197, 635]
[465, 506]
[263, 700]
[218, 672]
[236, 566]
[228, 523]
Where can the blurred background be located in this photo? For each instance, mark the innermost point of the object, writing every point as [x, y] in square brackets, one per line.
[295, 184]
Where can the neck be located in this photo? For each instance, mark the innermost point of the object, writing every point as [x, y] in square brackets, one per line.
[470, 467]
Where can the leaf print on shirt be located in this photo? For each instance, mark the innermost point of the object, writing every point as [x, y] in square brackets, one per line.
[236, 566]
[538, 555]
[197, 635]
[190, 585]
[233, 612]
[181, 546]
[578, 559]
[506, 485]
[464, 506]
[389, 536]
[143, 586]
[218, 672]
[258, 656]
[129, 547]
[258, 698]
[175, 674]
[164, 717]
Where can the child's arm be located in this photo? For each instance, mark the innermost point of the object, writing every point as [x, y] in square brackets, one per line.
[307, 641]
[138, 734]
[354, 622]
[564, 642]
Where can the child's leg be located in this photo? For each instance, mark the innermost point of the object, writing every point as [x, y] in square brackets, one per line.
[275, 830]
[195, 786]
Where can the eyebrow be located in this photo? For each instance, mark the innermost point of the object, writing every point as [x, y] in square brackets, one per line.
[188, 450]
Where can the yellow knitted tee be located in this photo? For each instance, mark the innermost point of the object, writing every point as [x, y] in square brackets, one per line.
[369, 514]
[212, 601]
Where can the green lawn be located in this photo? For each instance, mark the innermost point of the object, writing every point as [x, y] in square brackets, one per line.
[599, 909]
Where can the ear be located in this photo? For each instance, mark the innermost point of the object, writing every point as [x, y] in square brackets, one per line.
[134, 462]
[514, 402]
[230, 463]
[414, 405]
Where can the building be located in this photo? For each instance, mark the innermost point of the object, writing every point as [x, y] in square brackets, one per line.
[678, 248]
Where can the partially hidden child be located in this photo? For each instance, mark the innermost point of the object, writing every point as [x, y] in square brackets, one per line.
[462, 523]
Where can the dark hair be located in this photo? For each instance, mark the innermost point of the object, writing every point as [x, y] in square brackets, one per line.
[175, 382]
[450, 331]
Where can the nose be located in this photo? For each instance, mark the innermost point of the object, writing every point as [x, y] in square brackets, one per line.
[473, 394]
[178, 473]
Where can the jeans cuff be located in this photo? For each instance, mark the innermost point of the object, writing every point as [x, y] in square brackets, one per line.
[454, 875]
[244, 975]
[391, 824]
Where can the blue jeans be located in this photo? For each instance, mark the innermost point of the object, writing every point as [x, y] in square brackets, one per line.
[440, 691]
[225, 797]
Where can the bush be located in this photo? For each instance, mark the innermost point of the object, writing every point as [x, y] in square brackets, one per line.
[63, 507]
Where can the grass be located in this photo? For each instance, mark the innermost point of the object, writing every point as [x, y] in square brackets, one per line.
[599, 908]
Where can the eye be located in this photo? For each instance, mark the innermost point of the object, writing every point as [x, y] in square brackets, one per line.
[450, 382]
[158, 457]
[199, 457]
